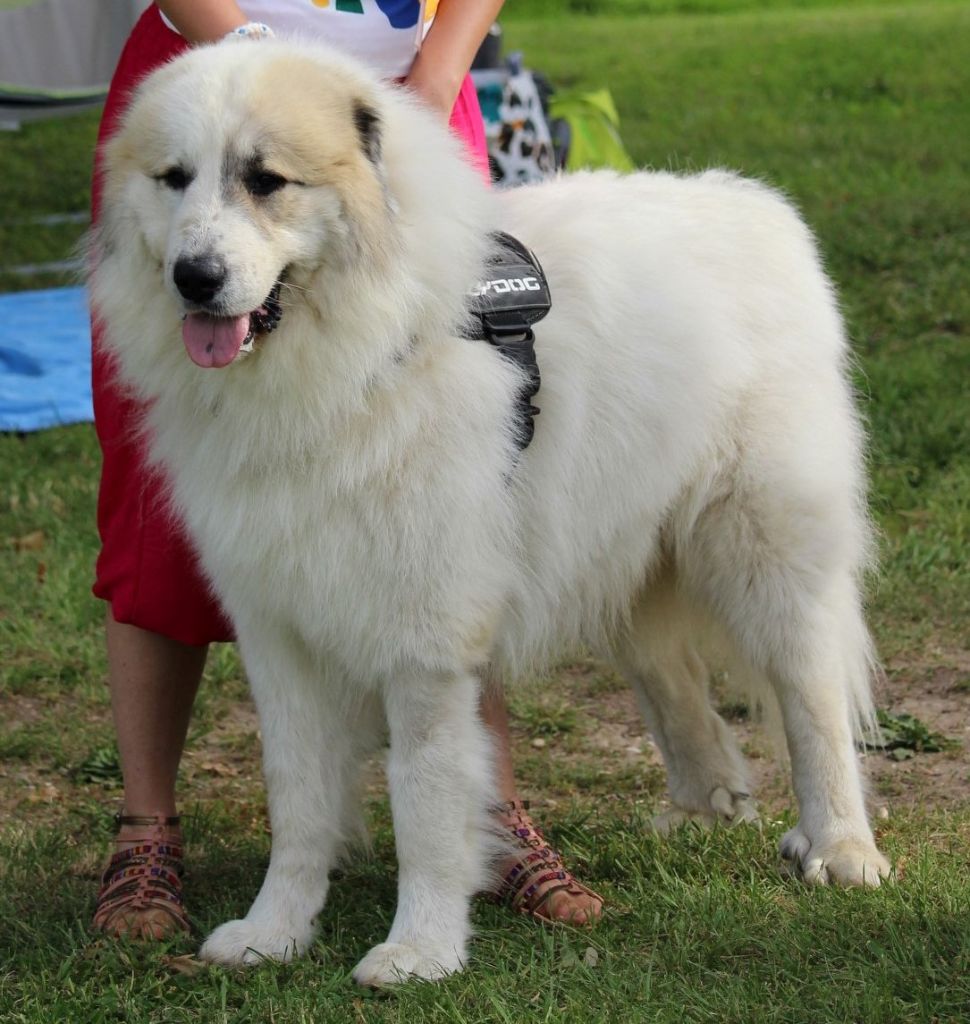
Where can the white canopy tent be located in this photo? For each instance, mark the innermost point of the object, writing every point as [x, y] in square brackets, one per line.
[58, 55]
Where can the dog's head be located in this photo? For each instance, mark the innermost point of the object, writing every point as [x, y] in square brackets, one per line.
[240, 170]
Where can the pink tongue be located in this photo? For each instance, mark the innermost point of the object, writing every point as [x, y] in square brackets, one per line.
[214, 341]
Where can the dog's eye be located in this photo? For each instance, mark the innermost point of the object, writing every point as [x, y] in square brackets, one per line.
[175, 178]
[265, 183]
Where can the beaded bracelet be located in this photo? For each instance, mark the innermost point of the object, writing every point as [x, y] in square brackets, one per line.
[251, 30]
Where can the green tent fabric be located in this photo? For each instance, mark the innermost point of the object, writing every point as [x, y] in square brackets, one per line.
[36, 96]
[594, 130]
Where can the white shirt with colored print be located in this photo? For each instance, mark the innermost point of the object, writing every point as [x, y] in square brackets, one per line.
[385, 34]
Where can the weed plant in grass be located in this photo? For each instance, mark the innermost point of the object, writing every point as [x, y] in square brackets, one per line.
[859, 112]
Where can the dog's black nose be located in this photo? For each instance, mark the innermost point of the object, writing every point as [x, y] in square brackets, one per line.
[199, 278]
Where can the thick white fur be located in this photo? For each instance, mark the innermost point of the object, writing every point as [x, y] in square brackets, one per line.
[353, 488]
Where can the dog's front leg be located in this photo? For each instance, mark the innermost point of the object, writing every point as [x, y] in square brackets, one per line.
[439, 775]
[311, 727]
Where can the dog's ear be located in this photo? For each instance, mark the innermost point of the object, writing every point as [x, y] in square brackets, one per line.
[368, 126]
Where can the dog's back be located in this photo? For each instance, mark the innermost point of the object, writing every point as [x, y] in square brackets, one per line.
[694, 351]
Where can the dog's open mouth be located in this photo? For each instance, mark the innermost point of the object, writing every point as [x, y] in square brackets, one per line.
[215, 341]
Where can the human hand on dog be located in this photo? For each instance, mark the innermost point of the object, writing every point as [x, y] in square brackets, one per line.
[448, 51]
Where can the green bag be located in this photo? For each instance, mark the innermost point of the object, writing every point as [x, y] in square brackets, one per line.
[593, 126]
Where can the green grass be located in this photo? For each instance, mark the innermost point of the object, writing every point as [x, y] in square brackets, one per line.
[47, 170]
[572, 8]
[859, 112]
[860, 115]
[701, 929]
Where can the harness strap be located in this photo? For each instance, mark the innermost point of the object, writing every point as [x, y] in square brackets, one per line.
[513, 296]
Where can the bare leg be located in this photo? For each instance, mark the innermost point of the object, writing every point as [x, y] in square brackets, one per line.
[153, 682]
[572, 905]
[495, 717]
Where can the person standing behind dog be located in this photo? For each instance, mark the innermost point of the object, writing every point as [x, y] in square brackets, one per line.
[161, 615]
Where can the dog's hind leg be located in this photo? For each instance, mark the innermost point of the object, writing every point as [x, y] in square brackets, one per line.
[778, 568]
[818, 671]
[706, 772]
[439, 775]
[315, 731]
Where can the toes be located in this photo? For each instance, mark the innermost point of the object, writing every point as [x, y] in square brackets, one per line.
[158, 926]
[241, 943]
[393, 963]
[665, 823]
[734, 808]
[722, 802]
[813, 871]
[845, 862]
[794, 846]
[724, 806]
[143, 926]
[579, 909]
[852, 865]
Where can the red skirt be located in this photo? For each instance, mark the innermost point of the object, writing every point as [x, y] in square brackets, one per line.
[147, 569]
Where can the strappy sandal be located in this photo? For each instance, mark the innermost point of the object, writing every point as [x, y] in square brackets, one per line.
[539, 873]
[141, 888]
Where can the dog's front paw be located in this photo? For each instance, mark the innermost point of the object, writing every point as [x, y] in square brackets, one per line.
[244, 942]
[845, 861]
[724, 807]
[391, 963]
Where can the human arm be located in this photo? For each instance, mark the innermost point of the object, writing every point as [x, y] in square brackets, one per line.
[438, 70]
[203, 21]
[448, 50]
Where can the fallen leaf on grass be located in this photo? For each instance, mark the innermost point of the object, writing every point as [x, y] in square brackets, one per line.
[218, 768]
[45, 794]
[186, 964]
[359, 1010]
[32, 541]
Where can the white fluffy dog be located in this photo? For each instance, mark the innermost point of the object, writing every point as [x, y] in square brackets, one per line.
[353, 484]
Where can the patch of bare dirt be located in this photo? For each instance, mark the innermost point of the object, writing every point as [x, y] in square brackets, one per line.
[935, 689]
[606, 740]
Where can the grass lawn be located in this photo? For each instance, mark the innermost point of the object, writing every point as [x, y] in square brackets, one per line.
[859, 112]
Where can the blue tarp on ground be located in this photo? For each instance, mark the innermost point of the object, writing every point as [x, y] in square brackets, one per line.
[45, 359]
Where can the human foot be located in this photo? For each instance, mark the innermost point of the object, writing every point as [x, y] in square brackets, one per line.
[141, 888]
[534, 879]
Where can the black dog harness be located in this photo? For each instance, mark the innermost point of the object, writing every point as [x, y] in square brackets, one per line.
[504, 306]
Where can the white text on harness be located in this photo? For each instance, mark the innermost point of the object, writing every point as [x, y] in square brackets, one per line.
[502, 285]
